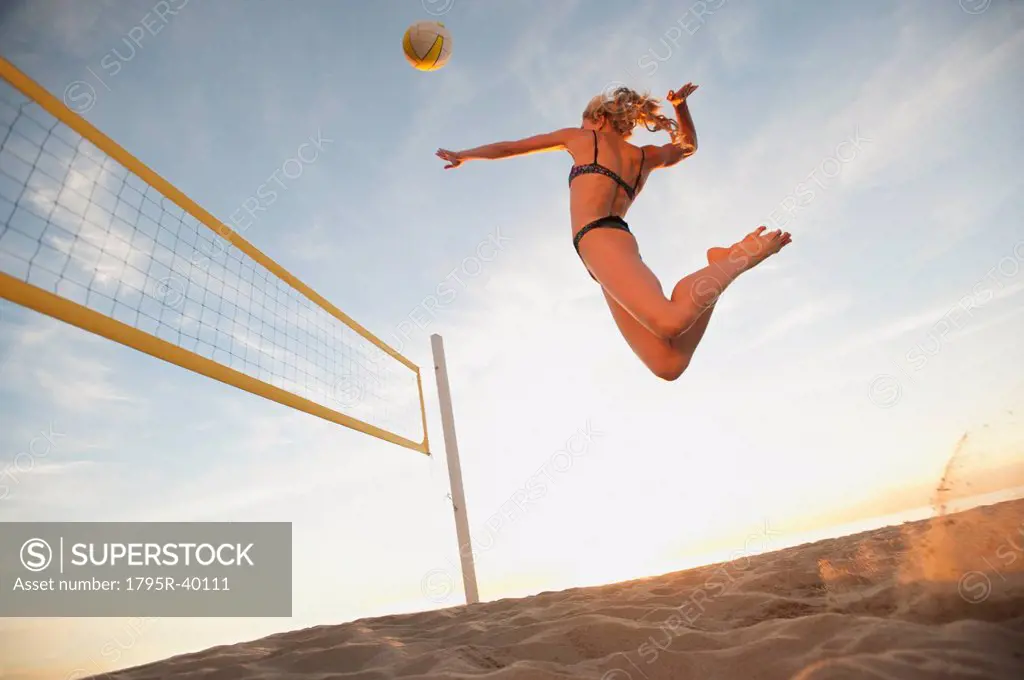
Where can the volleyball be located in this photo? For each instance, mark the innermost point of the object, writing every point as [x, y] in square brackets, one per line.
[427, 45]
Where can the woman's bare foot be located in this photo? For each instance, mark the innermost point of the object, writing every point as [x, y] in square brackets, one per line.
[755, 248]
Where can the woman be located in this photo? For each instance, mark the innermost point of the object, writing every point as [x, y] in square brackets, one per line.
[609, 172]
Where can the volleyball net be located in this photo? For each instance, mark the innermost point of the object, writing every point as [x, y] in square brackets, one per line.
[91, 236]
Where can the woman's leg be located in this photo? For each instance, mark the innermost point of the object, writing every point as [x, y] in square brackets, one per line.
[667, 359]
[664, 333]
[614, 260]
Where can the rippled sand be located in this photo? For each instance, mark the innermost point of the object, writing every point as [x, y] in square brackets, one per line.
[942, 598]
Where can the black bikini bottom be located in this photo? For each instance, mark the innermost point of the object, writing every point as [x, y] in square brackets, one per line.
[609, 222]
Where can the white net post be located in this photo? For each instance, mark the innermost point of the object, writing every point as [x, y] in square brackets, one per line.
[454, 471]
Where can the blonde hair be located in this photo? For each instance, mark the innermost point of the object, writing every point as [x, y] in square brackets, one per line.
[623, 109]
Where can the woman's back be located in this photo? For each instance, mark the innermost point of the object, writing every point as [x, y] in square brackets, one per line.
[608, 172]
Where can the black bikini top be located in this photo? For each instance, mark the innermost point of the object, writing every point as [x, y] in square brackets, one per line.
[596, 168]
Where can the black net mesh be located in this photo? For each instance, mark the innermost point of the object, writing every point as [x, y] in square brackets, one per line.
[76, 223]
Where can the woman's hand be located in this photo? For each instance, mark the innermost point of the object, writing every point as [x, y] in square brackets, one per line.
[454, 158]
[679, 96]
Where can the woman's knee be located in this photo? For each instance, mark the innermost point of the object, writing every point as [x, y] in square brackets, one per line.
[670, 370]
[673, 322]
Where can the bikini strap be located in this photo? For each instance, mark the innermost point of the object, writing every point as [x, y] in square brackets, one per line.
[640, 172]
[595, 146]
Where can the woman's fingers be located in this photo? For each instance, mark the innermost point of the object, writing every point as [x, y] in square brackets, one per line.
[676, 96]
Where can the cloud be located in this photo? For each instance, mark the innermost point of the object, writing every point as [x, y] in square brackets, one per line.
[990, 323]
[909, 323]
[314, 245]
[913, 116]
[897, 105]
[52, 469]
[268, 457]
[73, 377]
[70, 24]
[804, 315]
[958, 214]
[82, 385]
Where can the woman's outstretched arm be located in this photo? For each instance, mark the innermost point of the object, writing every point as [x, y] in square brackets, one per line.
[551, 141]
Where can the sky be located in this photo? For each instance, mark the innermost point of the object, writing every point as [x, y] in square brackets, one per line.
[833, 386]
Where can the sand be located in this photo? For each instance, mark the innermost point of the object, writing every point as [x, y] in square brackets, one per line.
[942, 598]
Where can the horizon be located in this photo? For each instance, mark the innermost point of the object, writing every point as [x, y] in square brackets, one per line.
[843, 381]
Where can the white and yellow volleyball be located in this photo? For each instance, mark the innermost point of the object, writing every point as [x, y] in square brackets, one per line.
[427, 45]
